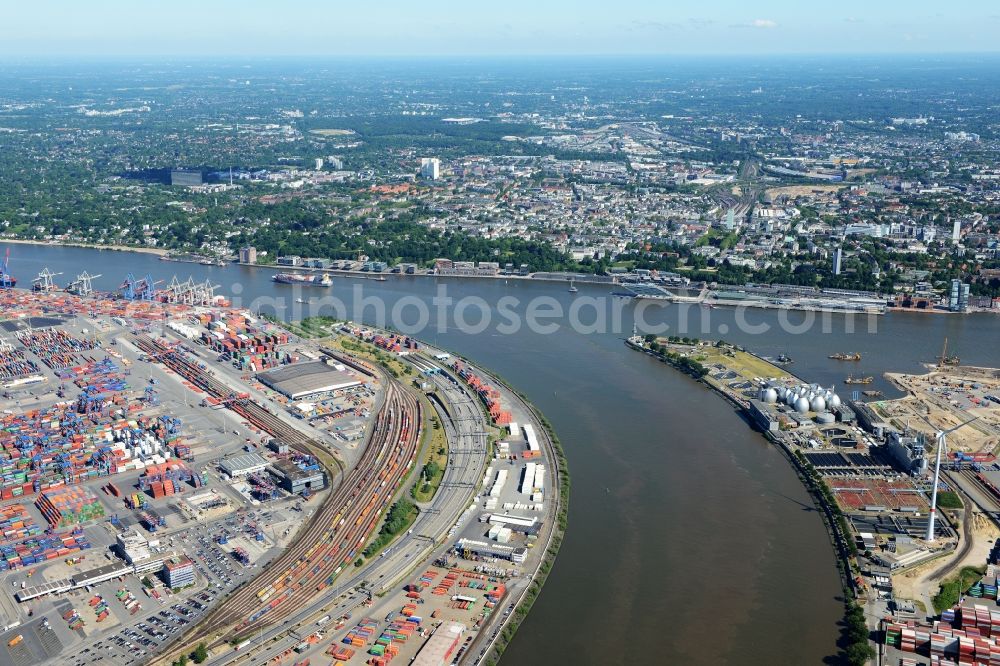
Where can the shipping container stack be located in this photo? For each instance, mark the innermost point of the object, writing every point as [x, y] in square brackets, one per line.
[976, 642]
[16, 524]
[165, 479]
[395, 343]
[362, 633]
[444, 587]
[57, 349]
[262, 487]
[35, 550]
[340, 653]
[14, 366]
[151, 520]
[79, 440]
[69, 505]
[388, 644]
[488, 394]
[249, 347]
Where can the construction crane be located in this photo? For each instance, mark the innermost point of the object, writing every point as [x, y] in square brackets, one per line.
[945, 359]
[44, 282]
[7, 281]
[83, 284]
[139, 290]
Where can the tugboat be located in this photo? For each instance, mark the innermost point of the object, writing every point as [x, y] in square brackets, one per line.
[841, 356]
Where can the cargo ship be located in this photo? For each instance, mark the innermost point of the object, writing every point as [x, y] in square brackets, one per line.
[841, 356]
[303, 279]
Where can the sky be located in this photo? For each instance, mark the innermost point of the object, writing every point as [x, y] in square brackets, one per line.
[113, 28]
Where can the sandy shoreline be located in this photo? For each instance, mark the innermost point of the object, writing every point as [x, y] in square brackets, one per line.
[90, 246]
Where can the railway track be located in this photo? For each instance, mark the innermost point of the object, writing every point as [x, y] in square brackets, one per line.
[341, 525]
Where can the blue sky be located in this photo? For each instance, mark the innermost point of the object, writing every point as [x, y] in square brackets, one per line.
[509, 27]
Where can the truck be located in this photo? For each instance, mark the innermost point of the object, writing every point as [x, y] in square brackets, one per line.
[323, 620]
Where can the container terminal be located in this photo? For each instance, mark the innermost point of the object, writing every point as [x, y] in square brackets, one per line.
[177, 472]
[874, 463]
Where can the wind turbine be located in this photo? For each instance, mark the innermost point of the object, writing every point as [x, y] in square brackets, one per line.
[942, 442]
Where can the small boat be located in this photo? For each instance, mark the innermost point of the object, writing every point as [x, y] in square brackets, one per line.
[572, 287]
[784, 359]
[302, 300]
[841, 356]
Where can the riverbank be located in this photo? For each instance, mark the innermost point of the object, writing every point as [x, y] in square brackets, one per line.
[90, 246]
[741, 364]
[536, 277]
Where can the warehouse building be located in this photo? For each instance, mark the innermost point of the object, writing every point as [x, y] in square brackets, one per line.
[440, 650]
[238, 466]
[487, 549]
[302, 380]
[293, 479]
[515, 523]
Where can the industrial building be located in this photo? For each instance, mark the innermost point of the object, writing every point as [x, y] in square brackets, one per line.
[185, 178]
[238, 466]
[293, 479]
[763, 416]
[487, 549]
[178, 572]
[302, 380]
[908, 451]
[440, 650]
[868, 419]
[515, 523]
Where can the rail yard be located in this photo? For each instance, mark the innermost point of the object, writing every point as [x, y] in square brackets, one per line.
[210, 479]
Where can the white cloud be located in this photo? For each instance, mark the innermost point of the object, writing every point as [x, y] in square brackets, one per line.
[764, 23]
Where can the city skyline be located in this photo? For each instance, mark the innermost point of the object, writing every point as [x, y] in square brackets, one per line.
[636, 27]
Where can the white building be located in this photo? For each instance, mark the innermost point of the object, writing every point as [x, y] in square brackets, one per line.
[430, 168]
[238, 466]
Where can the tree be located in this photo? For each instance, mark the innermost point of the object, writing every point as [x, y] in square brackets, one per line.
[200, 653]
[859, 654]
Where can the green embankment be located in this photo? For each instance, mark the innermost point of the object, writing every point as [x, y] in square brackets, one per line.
[401, 515]
[953, 587]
